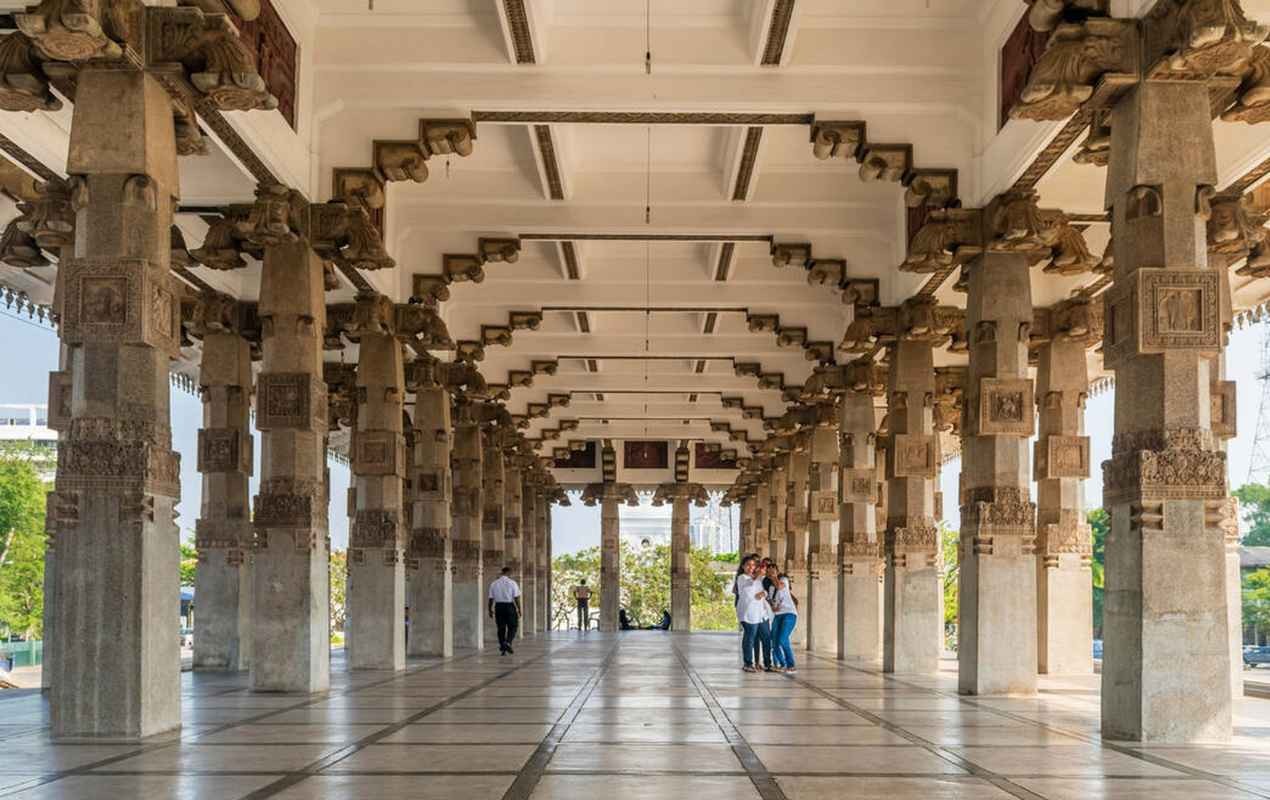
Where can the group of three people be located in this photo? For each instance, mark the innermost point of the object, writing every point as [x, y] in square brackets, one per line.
[768, 612]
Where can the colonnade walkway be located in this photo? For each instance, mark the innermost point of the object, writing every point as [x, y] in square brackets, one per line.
[640, 714]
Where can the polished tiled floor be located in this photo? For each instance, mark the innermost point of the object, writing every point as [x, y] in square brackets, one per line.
[646, 715]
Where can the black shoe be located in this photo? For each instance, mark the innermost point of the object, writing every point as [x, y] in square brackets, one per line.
[510, 650]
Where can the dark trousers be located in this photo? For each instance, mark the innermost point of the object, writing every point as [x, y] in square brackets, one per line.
[756, 636]
[507, 620]
[584, 615]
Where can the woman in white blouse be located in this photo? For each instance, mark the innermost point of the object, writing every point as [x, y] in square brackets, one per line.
[785, 610]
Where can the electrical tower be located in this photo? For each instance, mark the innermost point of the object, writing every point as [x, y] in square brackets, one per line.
[1259, 465]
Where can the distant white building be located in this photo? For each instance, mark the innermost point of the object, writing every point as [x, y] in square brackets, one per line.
[29, 423]
[712, 527]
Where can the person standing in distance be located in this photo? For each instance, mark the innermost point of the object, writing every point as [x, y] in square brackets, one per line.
[582, 594]
[504, 609]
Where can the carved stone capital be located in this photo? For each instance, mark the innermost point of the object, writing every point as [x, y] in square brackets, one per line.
[216, 62]
[23, 84]
[1076, 56]
[948, 237]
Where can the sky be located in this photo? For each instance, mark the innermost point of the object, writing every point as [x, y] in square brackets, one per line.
[31, 352]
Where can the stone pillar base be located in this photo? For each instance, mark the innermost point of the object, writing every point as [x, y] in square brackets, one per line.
[860, 612]
[798, 581]
[431, 601]
[292, 620]
[997, 642]
[376, 606]
[223, 643]
[914, 603]
[820, 609]
[680, 603]
[469, 605]
[1064, 599]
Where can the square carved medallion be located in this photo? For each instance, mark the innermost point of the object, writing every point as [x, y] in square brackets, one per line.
[1059, 456]
[912, 455]
[289, 400]
[1223, 409]
[824, 506]
[1006, 407]
[859, 485]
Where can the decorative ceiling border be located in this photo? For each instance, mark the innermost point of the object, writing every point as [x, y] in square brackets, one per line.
[749, 157]
[645, 237]
[641, 118]
[778, 33]
[550, 164]
[518, 22]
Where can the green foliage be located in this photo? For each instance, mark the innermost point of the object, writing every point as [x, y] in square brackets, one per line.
[189, 564]
[645, 586]
[22, 545]
[1099, 525]
[1256, 598]
[949, 540]
[1254, 502]
[339, 591]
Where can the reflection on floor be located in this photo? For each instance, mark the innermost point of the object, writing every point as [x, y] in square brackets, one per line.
[644, 714]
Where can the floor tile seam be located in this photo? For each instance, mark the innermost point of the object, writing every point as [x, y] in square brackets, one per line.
[332, 759]
[531, 772]
[764, 783]
[1097, 741]
[86, 769]
[933, 748]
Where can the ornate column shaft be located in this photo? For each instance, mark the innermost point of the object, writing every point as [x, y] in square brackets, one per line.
[759, 531]
[291, 622]
[1166, 670]
[746, 538]
[468, 586]
[1064, 597]
[860, 548]
[222, 532]
[428, 555]
[513, 503]
[492, 530]
[680, 495]
[914, 597]
[796, 523]
[608, 496]
[996, 648]
[778, 496]
[530, 497]
[377, 576]
[117, 476]
[542, 595]
[820, 604]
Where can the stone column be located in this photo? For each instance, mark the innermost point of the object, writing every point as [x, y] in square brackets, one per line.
[542, 547]
[428, 556]
[761, 531]
[680, 564]
[377, 575]
[222, 532]
[468, 586]
[117, 477]
[745, 540]
[291, 622]
[492, 530]
[860, 586]
[529, 554]
[778, 496]
[820, 603]
[912, 630]
[513, 503]
[608, 495]
[1064, 580]
[796, 524]
[996, 648]
[1166, 670]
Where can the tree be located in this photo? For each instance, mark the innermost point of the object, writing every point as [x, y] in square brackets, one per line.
[22, 546]
[949, 540]
[645, 586]
[1254, 502]
[1256, 598]
[1099, 524]
[189, 564]
[339, 588]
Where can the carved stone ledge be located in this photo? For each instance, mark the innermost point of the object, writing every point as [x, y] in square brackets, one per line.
[836, 139]
[23, 83]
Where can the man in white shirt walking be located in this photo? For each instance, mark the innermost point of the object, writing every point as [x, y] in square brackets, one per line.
[504, 609]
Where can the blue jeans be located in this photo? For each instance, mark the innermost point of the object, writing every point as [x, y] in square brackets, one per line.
[754, 636]
[782, 628]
